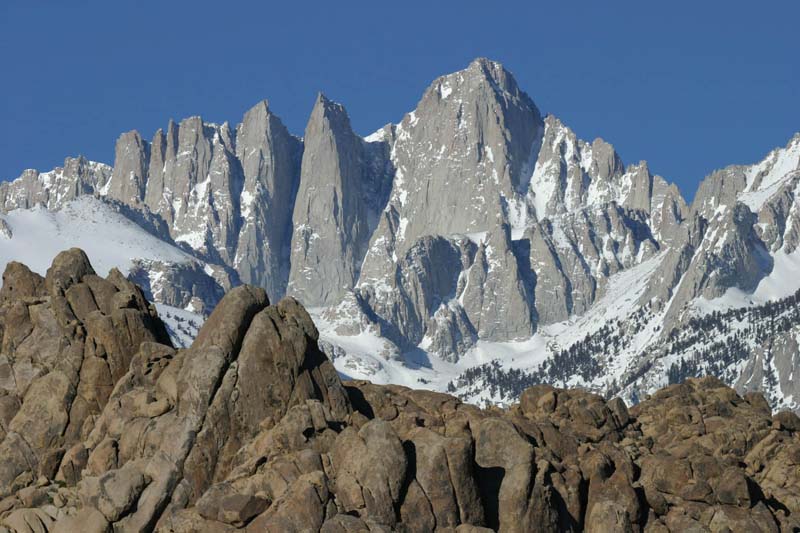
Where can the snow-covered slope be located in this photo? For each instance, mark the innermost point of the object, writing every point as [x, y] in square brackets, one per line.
[359, 356]
[182, 325]
[168, 274]
[108, 237]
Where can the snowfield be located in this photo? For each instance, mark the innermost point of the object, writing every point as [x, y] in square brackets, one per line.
[109, 238]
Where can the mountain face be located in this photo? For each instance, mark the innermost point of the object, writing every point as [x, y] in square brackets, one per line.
[105, 426]
[343, 185]
[477, 246]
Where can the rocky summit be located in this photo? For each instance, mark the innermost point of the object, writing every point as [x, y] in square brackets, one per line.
[105, 426]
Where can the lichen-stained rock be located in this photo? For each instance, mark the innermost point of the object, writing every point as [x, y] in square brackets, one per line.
[584, 416]
[87, 520]
[304, 507]
[115, 492]
[278, 366]
[443, 468]
[516, 496]
[173, 423]
[774, 464]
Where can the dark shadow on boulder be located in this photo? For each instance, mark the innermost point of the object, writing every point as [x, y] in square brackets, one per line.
[489, 481]
[359, 402]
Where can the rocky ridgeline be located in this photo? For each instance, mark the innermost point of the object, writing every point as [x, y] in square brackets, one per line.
[105, 426]
[474, 218]
[371, 224]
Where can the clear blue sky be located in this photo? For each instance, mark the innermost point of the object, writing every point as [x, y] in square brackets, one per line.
[689, 86]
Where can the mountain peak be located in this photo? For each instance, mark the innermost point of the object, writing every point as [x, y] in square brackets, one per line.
[327, 111]
[480, 71]
[492, 70]
[261, 106]
[327, 106]
[321, 99]
[326, 103]
[485, 63]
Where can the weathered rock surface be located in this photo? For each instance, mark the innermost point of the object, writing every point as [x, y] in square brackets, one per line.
[270, 158]
[66, 340]
[107, 427]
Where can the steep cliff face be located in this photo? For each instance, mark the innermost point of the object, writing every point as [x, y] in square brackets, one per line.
[477, 150]
[495, 297]
[470, 141]
[341, 191]
[270, 158]
[475, 230]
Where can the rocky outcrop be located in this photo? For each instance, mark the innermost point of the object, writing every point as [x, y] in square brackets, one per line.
[105, 427]
[424, 283]
[131, 161]
[495, 296]
[67, 339]
[730, 254]
[5, 230]
[52, 189]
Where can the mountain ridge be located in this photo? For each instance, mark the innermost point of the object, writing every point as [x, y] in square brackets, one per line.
[406, 276]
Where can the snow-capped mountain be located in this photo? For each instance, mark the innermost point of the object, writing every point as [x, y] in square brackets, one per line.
[478, 245]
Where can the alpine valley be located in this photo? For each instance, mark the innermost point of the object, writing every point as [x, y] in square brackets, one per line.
[477, 247]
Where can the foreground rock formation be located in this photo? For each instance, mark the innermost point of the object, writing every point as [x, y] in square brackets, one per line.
[106, 427]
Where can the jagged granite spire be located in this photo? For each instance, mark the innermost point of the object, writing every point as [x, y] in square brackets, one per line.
[270, 158]
[131, 163]
[335, 201]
